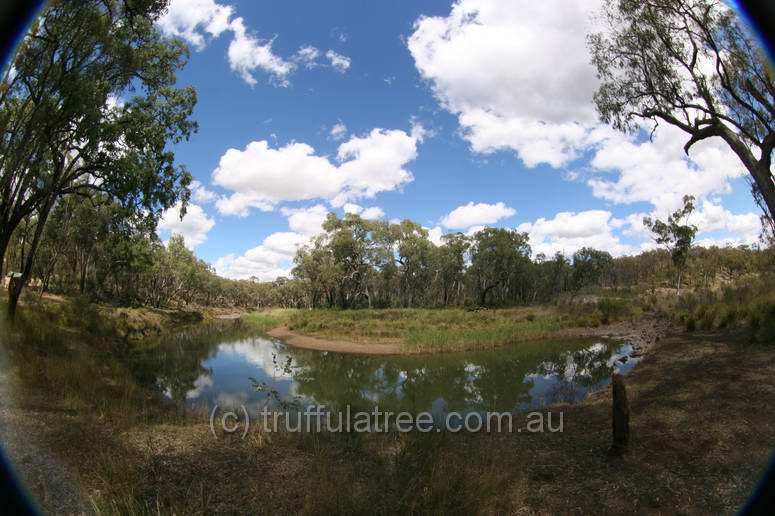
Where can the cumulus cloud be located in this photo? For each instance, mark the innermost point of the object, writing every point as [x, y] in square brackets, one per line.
[192, 20]
[659, 172]
[338, 61]
[267, 261]
[307, 221]
[744, 228]
[200, 193]
[476, 215]
[256, 263]
[371, 213]
[194, 226]
[488, 62]
[261, 176]
[568, 232]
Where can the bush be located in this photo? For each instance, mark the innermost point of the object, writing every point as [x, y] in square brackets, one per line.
[765, 327]
[612, 309]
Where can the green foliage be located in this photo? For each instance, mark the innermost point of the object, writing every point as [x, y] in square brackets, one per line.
[91, 108]
[676, 235]
[651, 61]
[612, 309]
[591, 267]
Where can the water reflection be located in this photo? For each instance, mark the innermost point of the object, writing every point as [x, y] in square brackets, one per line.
[217, 369]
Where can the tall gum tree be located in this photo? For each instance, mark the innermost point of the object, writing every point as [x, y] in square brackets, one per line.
[90, 105]
[693, 65]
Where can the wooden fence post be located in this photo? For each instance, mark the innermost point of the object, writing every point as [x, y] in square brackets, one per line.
[620, 415]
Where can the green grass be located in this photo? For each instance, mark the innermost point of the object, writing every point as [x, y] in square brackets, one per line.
[267, 319]
[451, 329]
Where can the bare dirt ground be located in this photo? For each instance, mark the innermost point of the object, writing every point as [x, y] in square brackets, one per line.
[27, 446]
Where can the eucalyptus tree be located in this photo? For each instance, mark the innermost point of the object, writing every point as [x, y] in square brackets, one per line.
[90, 105]
[355, 248]
[693, 65]
[591, 267]
[451, 266]
[676, 235]
[498, 256]
[414, 253]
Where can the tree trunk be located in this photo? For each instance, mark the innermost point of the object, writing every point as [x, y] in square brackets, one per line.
[16, 290]
[766, 186]
[5, 237]
[15, 287]
[680, 271]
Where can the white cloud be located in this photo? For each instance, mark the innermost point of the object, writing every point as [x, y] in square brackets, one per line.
[659, 172]
[743, 228]
[267, 261]
[307, 221]
[194, 226]
[338, 61]
[476, 214]
[191, 20]
[371, 213]
[568, 232]
[308, 56]
[256, 263]
[338, 131]
[200, 193]
[518, 76]
[285, 243]
[262, 176]
[516, 73]
[435, 234]
[474, 230]
[247, 53]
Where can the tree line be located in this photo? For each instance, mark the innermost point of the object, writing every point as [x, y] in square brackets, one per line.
[93, 247]
[378, 264]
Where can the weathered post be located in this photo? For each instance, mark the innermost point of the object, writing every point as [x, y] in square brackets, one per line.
[620, 415]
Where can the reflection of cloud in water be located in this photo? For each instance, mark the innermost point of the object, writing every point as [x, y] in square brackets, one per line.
[259, 352]
[202, 383]
[263, 354]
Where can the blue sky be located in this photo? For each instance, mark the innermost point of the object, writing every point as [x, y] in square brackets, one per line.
[455, 116]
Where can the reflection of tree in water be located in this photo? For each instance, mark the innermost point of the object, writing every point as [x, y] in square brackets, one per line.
[499, 380]
[172, 364]
[572, 373]
[494, 381]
